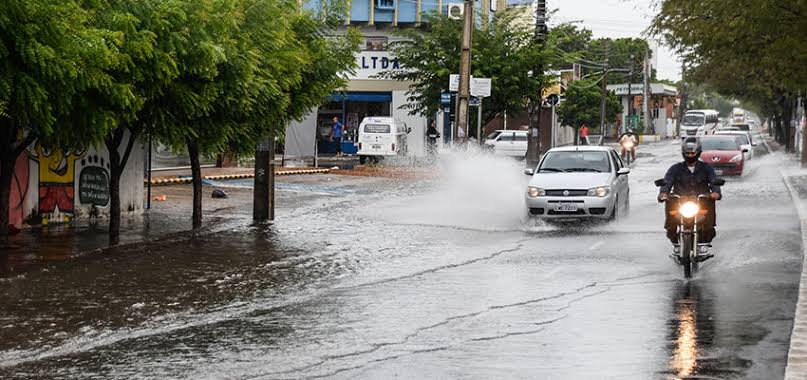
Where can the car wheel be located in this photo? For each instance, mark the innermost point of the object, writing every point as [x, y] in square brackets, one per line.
[615, 210]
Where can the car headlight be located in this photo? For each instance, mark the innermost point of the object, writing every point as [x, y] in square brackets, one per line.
[601, 191]
[689, 209]
[737, 158]
[535, 192]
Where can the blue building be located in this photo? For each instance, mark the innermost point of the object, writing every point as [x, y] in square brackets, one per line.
[366, 94]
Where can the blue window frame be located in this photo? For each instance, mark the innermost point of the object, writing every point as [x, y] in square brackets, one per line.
[385, 4]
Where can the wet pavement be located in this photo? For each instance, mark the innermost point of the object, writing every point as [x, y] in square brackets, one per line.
[381, 278]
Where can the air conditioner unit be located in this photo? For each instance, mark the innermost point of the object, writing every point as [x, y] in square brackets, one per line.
[456, 10]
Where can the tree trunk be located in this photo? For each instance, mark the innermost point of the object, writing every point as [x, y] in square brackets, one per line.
[196, 171]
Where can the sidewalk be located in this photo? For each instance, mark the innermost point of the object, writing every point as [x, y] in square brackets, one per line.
[176, 176]
[795, 179]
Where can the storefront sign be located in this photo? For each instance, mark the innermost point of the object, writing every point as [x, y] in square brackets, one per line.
[372, 63]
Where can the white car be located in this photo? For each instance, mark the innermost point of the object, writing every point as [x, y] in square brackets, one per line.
[744, 139]
[578, 182]
[508, 143]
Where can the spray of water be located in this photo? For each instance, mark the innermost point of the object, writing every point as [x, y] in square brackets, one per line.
[473, 190]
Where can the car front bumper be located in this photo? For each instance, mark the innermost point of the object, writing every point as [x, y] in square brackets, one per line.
[587, 207]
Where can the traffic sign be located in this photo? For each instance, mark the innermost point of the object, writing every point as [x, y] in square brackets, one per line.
[553, 100]
[480, 87]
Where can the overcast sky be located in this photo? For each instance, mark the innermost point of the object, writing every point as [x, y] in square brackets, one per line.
[616, 18]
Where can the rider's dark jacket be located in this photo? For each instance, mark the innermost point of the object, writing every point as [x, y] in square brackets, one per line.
[681, 181]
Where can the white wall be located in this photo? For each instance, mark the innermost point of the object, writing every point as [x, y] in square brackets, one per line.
[416, 139]
[301, 136]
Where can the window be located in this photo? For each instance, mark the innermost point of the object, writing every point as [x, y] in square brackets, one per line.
[719, 144]
[376, 128]
[520, 137]
[506, 137]
[385, 4]
[494, 135]
[617, 161]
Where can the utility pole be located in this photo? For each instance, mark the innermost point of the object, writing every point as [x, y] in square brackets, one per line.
[263, 201]
[683, 101]
[630, 96]
[539, 36]
[646, 94]
[464, 93]
[604, 99]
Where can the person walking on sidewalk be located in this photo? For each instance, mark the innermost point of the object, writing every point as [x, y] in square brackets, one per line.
[584, 135]
[337, 131]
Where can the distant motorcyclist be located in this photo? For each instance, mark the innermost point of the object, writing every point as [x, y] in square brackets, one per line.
[690, 178]
[432, 135]
[628, 141]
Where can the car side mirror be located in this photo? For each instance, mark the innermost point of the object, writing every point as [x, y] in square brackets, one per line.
[623, 171]
[745, 150]
[660, 182]
[719, 182]
[529, 172]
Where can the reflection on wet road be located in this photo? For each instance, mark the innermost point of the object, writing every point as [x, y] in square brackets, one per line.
[432, 280]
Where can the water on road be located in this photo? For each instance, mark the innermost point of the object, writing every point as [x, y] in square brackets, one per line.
[438, 279]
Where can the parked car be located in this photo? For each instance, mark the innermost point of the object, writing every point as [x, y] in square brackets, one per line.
[578, 182]
[381, 137]
[511, 143]
[724, 154]
[743, 138]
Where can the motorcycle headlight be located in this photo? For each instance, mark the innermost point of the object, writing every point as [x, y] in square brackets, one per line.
[601, 191]
[737, 158]
[689, 209]
[535, 192]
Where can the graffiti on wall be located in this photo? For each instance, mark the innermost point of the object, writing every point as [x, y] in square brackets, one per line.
[93, 181]
[57, 171]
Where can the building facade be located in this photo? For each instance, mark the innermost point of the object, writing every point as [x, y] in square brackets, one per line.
[366, 94]
[662, 105]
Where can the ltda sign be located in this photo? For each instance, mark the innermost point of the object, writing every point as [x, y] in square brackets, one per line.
[372, 63]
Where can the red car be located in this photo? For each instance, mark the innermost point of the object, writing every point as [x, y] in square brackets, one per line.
[724, 154]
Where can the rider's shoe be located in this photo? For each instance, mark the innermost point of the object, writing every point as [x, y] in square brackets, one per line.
[676, 249]
[703, 248]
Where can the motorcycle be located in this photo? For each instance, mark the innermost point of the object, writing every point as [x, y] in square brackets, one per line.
[627, 151]
[690, 214]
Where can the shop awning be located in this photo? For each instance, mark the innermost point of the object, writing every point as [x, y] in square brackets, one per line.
[370, 97]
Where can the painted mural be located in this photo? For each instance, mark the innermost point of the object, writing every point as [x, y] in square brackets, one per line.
[57, 171]
[52, 186]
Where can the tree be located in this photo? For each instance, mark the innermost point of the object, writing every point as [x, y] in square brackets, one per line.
[503, 51]
[582, 106]
[48, 54]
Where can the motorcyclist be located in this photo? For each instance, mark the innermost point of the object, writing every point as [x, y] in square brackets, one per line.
[691, 177]
[432, 135]
[633, 139]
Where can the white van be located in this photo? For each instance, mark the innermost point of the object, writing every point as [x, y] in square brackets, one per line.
[381, 137]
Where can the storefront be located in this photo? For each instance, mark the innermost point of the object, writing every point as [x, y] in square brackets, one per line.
[365, 95]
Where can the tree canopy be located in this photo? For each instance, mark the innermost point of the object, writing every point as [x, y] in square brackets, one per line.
[582, 105]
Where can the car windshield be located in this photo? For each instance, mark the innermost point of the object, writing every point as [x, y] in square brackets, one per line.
[693, 120]
[575, 161]
[720, 144]
[377, 128]
[742, 127]
[494, 135]
[742, 138]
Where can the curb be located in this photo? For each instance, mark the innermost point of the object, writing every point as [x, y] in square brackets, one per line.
[182, 180]
[797, 353]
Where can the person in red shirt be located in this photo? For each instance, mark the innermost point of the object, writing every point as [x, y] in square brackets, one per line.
[584, 135]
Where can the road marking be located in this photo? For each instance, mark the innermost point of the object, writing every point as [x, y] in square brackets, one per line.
[596, 245]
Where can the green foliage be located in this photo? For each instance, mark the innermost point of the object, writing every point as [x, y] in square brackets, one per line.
[504, 51]
[582, 105]
[752, 50]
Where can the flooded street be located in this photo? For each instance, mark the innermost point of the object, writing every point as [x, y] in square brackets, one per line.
[445, 278]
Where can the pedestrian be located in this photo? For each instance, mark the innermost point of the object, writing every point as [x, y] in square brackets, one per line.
[337, 131]
[584, 135]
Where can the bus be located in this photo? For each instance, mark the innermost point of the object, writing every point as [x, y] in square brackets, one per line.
[699, 123]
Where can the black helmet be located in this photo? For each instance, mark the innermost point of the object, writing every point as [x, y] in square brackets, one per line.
[691, 149]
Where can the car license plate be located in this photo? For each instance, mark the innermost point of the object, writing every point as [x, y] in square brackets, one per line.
[566, 207]
[718, 172]
[376, 146]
